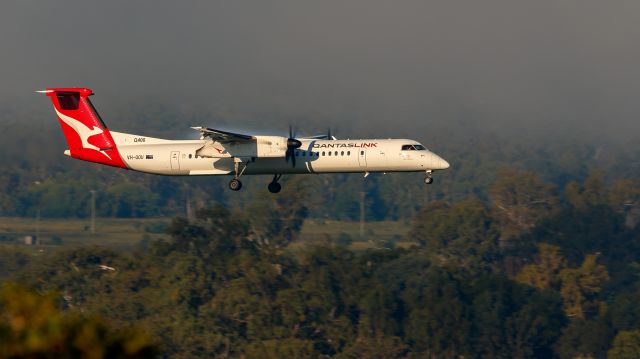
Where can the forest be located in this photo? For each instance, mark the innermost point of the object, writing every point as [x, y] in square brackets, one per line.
[527, 247]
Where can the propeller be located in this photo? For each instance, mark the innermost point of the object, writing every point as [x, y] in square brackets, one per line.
[292, 144]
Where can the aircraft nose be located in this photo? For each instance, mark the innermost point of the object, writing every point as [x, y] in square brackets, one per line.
[443, 164]
[439, 163]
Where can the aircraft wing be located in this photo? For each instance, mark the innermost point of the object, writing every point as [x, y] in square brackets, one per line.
[318, 137]
[315, 137]
[223, 136]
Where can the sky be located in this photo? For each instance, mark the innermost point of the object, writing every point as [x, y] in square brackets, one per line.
[380, 68]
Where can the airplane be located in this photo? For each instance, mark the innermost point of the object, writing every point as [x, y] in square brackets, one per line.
[220, 152]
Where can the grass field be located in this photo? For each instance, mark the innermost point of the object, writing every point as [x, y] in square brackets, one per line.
[126, 233]
[123, 233]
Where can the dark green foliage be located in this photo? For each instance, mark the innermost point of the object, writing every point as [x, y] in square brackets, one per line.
[32, 327]
[344, 239]
[583, 338]
[212, 290]
[478, 284]
[226, 283]
[57, 240]
[626, 345]
[461, 234]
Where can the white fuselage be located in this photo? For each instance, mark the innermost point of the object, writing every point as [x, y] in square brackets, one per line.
[169, 157]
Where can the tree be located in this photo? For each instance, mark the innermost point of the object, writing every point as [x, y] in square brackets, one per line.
[278, 219]
[543, 274]
[519, 200]
[592, 193]
[584, 339]
[375, 345]
[129, 200]
[626, 345]
[31, 326]
[624, 197]
[460, 233]
[276, 349]
[579, 287]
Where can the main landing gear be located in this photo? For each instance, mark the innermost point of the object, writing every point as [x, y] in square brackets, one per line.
[235, 184]
[427, 178]
[274, 186]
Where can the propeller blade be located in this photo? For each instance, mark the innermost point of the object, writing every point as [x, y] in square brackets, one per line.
[290, 154]
[292, 144]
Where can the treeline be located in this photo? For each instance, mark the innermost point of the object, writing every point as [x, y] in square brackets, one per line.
[531, 271]
[36, 177]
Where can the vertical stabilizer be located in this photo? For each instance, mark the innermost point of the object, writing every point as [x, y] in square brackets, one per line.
[87, 135]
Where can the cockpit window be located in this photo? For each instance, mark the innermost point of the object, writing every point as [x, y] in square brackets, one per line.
[413, 148]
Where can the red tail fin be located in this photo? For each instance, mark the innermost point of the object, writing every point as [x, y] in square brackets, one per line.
[87, 135]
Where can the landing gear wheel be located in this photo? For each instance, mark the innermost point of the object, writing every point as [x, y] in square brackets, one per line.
[274, 187]
[428, 180]
[235, 184]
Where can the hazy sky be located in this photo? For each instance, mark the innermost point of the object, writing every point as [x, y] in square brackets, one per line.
[387, 67]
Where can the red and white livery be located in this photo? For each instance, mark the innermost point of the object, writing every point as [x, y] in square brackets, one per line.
[225, 153]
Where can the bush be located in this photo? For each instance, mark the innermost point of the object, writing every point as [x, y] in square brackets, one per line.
[57, 240]
[344, 239]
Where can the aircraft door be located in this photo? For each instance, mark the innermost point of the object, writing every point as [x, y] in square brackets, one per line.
[175, 161]
[362, 157]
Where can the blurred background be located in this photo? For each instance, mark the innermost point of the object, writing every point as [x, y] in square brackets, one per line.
[534, 105]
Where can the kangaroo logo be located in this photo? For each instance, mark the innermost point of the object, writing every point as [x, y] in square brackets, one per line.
[83, 131]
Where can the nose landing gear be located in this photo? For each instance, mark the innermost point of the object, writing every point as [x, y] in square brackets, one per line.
[427, 178]
[274, 186]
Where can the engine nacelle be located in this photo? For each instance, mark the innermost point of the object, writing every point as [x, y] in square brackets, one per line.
[271, 146]
[263, 146]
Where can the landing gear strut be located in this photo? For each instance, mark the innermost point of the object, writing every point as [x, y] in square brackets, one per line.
[235, 184]
[427, 178]
[274, 186]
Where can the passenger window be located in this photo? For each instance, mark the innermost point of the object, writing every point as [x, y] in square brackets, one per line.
[323, 153]
[348, 153]
[189, 155]
[329, 153]
[342, 153]
[336, 153]
[361, 153]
